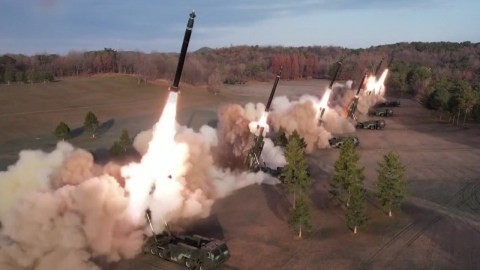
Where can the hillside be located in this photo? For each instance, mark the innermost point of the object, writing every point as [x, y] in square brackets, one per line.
[416, 68]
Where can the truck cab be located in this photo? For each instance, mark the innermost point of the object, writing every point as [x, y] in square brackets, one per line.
[338, 141]
[381, 112]
[192, 251]
[371, 124]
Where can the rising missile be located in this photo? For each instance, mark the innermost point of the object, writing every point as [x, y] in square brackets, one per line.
[336, 72]
[272, 93]
[378, 67]
[270, 98]
[353, 105]
[183, 53]
[253, 157]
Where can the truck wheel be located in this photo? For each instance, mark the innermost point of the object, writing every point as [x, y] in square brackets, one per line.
[188, 263]
[371, 127]
[161, 254]
[153, 250]
[201, 267]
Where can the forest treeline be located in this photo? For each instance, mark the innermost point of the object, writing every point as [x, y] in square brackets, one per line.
[416, 68]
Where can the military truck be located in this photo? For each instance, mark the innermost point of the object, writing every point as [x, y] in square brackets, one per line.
[194, 252]
[371, 124]
[278, 172]
[381, 112]
[392, 103]
[338, 141]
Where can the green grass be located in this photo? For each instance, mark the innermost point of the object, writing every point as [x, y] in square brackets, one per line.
[71, 93]
[92, 91]
[28, 111]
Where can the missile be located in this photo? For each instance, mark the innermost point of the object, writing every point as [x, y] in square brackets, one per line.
[253, 157]
[183, 52]
[336, 72]
[272, 93]
[378, 67]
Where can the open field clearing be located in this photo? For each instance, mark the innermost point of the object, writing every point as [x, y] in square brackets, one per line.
[438, 229]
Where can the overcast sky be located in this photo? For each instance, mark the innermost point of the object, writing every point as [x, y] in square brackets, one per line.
[57, 26]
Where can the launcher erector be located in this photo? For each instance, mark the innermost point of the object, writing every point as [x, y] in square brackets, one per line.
[353, 105]
[254, 162]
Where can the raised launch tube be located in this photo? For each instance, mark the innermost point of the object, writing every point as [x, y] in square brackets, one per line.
[378, 67]
[336, 72]
[270, 98]
[274, 88]
[253, 157]
[183, 52]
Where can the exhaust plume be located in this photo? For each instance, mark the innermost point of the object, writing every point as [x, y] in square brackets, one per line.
[61, 210]
[73, 213]
[303, 116]
[372, 93]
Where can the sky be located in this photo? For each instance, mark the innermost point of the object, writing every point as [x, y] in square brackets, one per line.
[58, 26]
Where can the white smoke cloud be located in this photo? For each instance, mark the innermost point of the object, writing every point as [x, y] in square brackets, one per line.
[30, 173]
[65, 212]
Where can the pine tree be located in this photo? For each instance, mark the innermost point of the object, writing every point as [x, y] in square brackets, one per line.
[116, 149]
[356, 210]
[391, 182]
[296, 135]
[281, 138]
[295, 172]
[300, 218]
[125, 140]
[91, 123]
[62, 131]
[346, 172]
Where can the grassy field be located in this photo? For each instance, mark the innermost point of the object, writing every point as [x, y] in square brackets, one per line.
[30, 112]
[438, 228]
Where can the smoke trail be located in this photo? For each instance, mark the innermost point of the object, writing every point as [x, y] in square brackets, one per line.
[301, 116]
[69, 212]
[234, 137]
[372, 92]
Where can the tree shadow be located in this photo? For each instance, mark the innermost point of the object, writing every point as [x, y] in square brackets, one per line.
[320, 196]
[276, 201]
[77, 132]
[208, 227]
[190, 120]
[213, 123]
[105, 126]
[101, 155]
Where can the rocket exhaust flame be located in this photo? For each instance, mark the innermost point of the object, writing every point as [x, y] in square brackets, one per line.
[322, 107]
[60, 210]
[255, 153]
[262, 122]
[163, 154]
[380, 82]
